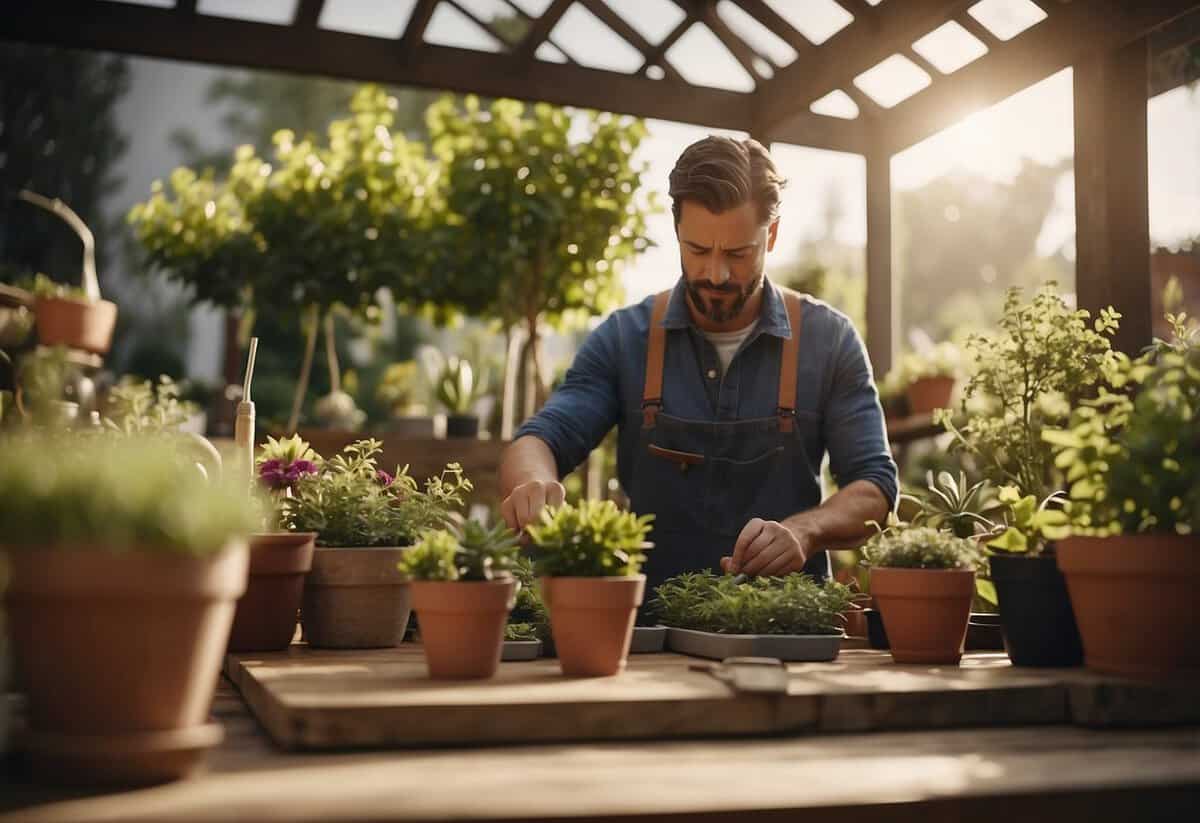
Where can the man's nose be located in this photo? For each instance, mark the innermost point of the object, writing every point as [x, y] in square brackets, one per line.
[719, 270]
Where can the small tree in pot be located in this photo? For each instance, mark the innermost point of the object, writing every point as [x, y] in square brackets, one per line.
[923, 580]
[589, 558]
[462, 589]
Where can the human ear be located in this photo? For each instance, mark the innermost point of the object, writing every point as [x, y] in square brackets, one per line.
[772, 232]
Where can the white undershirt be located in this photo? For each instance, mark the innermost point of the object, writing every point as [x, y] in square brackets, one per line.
[727, 342]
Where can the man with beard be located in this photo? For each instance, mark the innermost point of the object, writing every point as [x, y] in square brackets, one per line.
[727, 392]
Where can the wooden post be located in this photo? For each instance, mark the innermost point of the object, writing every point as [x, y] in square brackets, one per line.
[1112, 200]
[882, 300]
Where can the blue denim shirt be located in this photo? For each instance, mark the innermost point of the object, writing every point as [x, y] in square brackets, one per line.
[837, 406]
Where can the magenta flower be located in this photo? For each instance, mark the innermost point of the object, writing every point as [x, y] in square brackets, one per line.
[383, 478]
[275, 475]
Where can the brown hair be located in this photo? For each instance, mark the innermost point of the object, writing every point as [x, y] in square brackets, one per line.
[721, 173]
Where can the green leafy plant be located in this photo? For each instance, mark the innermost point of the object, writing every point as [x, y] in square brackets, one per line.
[1026, 378]
[791, 604]
[526, 632]
[591, 539]
[114, 494]
[1030, 525]
[137, 407]
[529, 612]
[920, 547]
[1132, 454]
[944, 359]
[457, 388]
[350, 501]
[43, 286]
[399, 388]
[472, 552]
[952, 504]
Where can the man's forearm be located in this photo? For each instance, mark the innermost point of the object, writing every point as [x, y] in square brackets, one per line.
[841, 521]
[527, 458]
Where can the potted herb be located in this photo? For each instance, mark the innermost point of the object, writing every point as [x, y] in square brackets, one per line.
[927, 378]
[462, 590]
[398, 390]
[1045, 360]
[124, 564]
[1132, 564]
[528, 631]
[457, 391]
[588, 561]
[923, 580]
[365, 519]
[717, 616]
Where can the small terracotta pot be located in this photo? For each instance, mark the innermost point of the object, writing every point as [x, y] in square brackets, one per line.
[930, 393]
[355, 598]
[462, 625]
[267, 613]
[925, 611]
[77, 324]
[592, 619]
[856, 622]
[121, 652]
[1135, 599]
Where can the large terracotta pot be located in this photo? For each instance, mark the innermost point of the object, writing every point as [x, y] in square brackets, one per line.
[77, 324]
[925, 611]
[355, 598]
[930, 393]
[267, 612]
[1135, 599]
[462, 625]
[121, 652]
[591, 619]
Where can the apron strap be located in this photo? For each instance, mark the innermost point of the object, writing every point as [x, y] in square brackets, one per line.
[788, 362]
[655, 351]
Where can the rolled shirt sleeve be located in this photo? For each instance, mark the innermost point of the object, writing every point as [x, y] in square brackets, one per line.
[855, 435]
[586, 405]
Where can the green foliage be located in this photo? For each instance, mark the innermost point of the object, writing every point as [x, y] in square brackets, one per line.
[43, 286]
[591, 539]
[921, 547]
[137, 407]
[398, 389]
[287, 450]
[1132, 455]
[953, 505]
[115, 494]
[457, 389]
[472, 552]
[791, 604]
[521, 631]
[350, 502]
[544, 206]
[942, 360]
[1027, 377]
[1029, 525]
[529, 610]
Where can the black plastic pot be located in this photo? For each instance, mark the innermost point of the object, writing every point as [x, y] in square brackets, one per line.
[1035, 611]
[876, 634]
[984, 633]
[462, 426]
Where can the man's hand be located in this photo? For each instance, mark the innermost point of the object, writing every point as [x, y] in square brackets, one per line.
[525, 504]
[767, 547]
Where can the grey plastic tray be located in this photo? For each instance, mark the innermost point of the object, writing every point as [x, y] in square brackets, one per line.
[648, 639]
[521, 650]
[796, 648]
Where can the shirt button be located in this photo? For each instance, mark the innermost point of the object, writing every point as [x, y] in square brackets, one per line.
[712, 374]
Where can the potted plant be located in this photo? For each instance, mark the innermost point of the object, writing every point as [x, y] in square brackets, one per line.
[923, 580]
[365, 519]
[1045, 360]
[124, 567]
[717, 616]
[1132, 564]
[588, 561]
[462, 590]
[527, 634]
[926, 378]
[457, 391]
[397, 389]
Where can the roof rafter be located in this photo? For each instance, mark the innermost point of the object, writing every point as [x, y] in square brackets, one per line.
[414, 32]
[629, 34]
[539, 32]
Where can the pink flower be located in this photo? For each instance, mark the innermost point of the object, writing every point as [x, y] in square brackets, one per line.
[384, 479]
[275, 475]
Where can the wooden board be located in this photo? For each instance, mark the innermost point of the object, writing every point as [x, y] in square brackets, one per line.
[316, 699]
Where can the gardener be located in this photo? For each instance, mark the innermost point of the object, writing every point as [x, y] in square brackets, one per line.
[727, 392]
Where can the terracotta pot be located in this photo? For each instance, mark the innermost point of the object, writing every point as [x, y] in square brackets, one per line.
[355, 598]
[462, 625]
[267, 613]
[925, 611]
[1135, 599]
[856, 622]
[592, 619]
[121, 652]
[77, 324]
[930, 393]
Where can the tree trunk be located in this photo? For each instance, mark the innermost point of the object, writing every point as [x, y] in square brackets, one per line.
[311, 324]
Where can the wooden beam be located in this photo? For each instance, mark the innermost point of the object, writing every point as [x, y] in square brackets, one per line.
[1071, 32]
[658, 55]
[859, 46]
[539, 32]
[1112, 223]
[418, 21]
[628, 33]
[780, 27]
[883, 327]
[741, 51]
[308, 13]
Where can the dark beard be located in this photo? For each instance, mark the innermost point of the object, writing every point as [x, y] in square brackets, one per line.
[727, 309]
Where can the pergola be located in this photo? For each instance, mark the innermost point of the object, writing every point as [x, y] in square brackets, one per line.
[1107, 42]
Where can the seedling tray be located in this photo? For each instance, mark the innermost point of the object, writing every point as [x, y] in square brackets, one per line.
[793, 648]
[515, 650]
[648, 639]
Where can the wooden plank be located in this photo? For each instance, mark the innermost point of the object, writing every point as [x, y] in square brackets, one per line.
[882, 306]
[1109, 704]
[1112, 194]
[540, 29]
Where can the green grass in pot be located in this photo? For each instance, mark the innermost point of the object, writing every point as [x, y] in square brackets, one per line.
[791, 604]
[921, 547]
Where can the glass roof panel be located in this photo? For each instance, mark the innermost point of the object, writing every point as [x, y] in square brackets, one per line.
[652, 19]
[949, 47]
[281, 12]
[374, 18]
[702, 59]
[1007, 18]
[450, 27]
[893, 80]
[594, 44]
[755, 34]
[550, 53]
[836, 104]
[534, 8]
[817, 20]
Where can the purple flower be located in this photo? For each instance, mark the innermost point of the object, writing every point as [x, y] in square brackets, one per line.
[275, 475]
[383, 478]
[298, 469]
